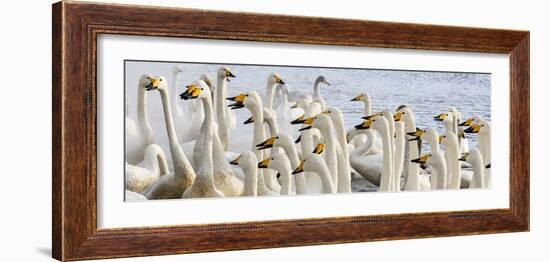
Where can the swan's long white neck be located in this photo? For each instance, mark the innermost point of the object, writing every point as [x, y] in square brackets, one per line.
[322, 170]
[478, 179]
[220, 100]
[182, 167]
[299, 179]
[452, 153]
[143, 119]
[285, 172]
[484, 141]
[387, 155]
[316, 89]
[270, 89]
[175, 78]
[328, 133]
[250, 179]
[439, 173]
[412, 182]
[399, 154]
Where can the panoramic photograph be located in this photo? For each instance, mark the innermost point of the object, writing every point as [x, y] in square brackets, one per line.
[206, 130]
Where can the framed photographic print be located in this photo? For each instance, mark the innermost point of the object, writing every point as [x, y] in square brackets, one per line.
[181, 130]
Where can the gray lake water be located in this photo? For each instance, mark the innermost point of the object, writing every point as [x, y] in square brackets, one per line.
[426, 93]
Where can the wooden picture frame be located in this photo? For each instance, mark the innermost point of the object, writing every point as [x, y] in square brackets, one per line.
[76, 26]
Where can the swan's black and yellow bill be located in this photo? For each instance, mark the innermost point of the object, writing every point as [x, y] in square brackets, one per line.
[299, 120]
[264, 163]
[421, 160]
[239, 101]
[300, 168]
[397, 116]
[228, 75]
[440, 139]
[267, 143]
[192, 92]
[235, 161]
[357, 98]
[298, 140]
[365, 125]
[467, 122]
[473, 129]
[249, 120]
[319, 148]
[464, 156]
[416, 135]
[307, 122]
[439, 117]
[278, 79]
[153, 84]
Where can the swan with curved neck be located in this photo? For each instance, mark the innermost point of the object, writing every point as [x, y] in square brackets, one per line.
[270, 176]
[380, 125]
[316, 164]
[225, 118]
[137, 142]
[317, 91]
[483, 129]
[341, 174]
[203, 151]
[171, 185]
[338, 122]
[187, 118]
[475, 159]
[365, 98]
[280, 163]
[412, 148]
[452, 154]
[253, 103]
[285, 142]
[439, 169]
[153, 166]
[272, 80]
[248, 163]
[399, 154]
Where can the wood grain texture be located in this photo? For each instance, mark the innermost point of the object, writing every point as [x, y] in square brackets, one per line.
[76, 27]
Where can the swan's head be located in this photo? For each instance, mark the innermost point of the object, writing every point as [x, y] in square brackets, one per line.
[377, 122]
[446, 117]
[471, 156]
[319, 148]
[422, 160]
[150, 82]
[310, 162]
[225, 73]
[322, 79]
[447, 138]
[483, 128]
[177, 69]
[239, 101]
[276, 161]
[275, 78]
[208, 81]
[320, 121]
[404, 113]
[246, 159]
[197, 89]
[472, 120]
[300, 120]
[362, 97]
[334, 113]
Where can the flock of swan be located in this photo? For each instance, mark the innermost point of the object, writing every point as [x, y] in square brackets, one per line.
[298, 147]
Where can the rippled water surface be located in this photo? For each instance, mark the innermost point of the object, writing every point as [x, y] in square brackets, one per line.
[427, 93]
